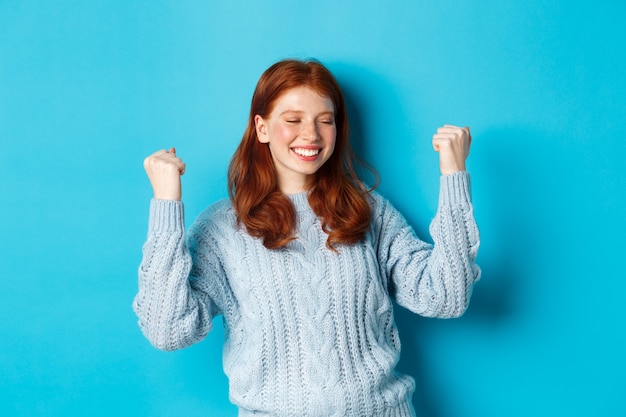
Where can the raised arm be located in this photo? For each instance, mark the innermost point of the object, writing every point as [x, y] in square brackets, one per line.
[174, 312]
[436, 280]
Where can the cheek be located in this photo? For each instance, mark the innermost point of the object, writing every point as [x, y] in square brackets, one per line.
[331, 135]
[284, 134]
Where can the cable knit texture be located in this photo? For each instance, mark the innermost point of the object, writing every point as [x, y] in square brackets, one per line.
[308, 331]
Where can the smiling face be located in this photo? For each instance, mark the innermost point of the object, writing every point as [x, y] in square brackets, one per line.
[300, 132]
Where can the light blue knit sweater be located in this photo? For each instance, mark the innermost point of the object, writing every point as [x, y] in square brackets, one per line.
[308, 332]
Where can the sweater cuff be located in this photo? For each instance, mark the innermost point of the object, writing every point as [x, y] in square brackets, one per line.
[166, 216]
[455, 189]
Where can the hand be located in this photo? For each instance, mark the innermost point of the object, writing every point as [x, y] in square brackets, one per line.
[452, 143]
[164, 169]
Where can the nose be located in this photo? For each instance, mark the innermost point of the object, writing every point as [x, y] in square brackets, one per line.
[309, 131]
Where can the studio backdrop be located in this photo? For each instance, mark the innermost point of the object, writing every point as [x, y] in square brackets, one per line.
[89, 88]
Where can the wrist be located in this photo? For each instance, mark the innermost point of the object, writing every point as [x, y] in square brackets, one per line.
[167, 196]
[451, 170]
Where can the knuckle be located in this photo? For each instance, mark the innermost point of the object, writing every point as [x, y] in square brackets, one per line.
[446, 142]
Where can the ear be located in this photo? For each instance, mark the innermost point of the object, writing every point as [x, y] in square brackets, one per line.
[261, 129]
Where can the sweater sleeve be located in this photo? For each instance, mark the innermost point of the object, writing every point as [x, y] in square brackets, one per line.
[173, 312]
[433, 280]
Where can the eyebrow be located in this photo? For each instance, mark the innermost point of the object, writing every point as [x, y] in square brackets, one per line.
[324, 113]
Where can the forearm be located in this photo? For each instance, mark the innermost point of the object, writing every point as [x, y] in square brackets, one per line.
[170, 313]
[452, 267]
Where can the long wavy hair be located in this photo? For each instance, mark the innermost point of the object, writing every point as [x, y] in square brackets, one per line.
[336, 194]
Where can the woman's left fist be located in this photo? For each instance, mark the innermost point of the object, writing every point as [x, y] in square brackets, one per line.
[452, 143]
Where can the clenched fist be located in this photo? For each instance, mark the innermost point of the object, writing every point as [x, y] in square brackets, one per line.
[164, 169]
[452, 143]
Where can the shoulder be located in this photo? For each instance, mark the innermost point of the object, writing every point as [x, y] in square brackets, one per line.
[221, 209]
[385, 217]
[217, 219]
[381, 207]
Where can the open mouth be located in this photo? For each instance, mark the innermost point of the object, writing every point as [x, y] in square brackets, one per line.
[307, 153]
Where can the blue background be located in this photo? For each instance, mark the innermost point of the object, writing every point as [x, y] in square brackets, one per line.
[89, 88]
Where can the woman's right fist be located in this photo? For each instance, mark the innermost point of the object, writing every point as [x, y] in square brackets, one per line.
[164, 169]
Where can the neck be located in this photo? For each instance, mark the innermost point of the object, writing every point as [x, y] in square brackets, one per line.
[293, 185]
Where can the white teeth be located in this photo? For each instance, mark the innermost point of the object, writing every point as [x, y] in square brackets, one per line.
[306, 152]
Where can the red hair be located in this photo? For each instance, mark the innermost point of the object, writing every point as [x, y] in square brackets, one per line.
[336, 195]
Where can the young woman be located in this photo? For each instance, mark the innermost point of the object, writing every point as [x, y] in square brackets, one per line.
[303, 259]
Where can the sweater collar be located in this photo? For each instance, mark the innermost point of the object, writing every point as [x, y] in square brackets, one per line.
[300, 201]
